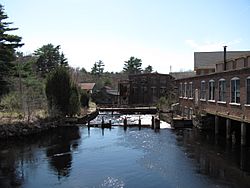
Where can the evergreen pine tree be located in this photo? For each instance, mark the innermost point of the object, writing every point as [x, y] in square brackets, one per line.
[8, 44]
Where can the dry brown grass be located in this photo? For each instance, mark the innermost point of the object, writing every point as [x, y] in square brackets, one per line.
[15, 117]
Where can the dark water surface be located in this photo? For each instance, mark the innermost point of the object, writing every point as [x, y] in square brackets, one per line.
[74, 157]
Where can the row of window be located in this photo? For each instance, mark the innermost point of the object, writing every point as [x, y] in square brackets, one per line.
[186, 90]
[144, 89]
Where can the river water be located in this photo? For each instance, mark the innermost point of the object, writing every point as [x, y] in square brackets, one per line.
[75, 157]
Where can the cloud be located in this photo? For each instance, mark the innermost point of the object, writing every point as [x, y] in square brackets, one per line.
[209, 45]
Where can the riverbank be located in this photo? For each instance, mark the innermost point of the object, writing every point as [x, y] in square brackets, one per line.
[19, 129]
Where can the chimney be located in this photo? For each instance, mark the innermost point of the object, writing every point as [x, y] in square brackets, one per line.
[225, 57]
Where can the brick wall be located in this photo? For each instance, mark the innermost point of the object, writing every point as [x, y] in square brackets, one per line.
[234, 111]
[248, 61]
[203, 71]
[232, 64]
[148, 88]
[240, 63]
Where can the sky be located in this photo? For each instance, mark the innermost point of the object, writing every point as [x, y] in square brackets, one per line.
[162, 33]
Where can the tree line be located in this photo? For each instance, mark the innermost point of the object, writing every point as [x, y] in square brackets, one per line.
[44, 78]
[39, 81]
[131, 66]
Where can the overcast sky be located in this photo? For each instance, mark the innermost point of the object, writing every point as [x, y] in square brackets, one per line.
[162, 33]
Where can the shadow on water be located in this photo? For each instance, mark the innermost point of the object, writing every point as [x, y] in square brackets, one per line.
[59, 154]
[56, 144]
[222, 161]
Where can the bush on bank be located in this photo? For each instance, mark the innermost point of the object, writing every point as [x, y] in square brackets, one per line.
[62, 94]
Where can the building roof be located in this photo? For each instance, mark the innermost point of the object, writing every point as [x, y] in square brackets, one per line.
[208, 60]
[235, 71]
[87, 86]
[148, 74]
[179, 75]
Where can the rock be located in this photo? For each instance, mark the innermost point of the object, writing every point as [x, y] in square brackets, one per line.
[25, 130]
[2, 133]
[10, 134]
[37, 126]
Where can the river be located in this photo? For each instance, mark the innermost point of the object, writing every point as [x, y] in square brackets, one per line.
[75, 157]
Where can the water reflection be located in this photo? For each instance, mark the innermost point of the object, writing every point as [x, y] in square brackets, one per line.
[60, 153]
[68, 157]
[17, 155]
[216, 158]
[9, 173]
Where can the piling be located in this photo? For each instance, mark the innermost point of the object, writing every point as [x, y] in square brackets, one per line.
[228, 127]
[216, 125]
[243, 133]
[125, 123]
[88, 125]
[157, 123]
[139, 122]
[110, 124]
[102, 123]
[153, 122]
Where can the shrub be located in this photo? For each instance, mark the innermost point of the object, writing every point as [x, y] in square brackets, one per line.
[84, 99]
[74, 102]
[62, 95]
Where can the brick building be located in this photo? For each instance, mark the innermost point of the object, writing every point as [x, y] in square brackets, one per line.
[222, 94]
[145, 89]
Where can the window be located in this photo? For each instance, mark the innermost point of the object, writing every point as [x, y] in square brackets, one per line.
[190, 89]
[190, 113]
[248, 89]
[211, 90]
[203, 90]
[185, 112]
[222, 90]
[153, 91]
[235, 90]
[180, 90]
[185, 89]
[154, 94]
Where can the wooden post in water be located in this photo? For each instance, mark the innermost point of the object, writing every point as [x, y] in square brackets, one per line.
[139, 123]
[157, 123]
[110, 124]
[88, 125]
[125, 123]
[153, 122]
[102, 123]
